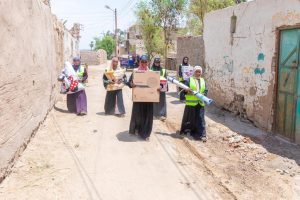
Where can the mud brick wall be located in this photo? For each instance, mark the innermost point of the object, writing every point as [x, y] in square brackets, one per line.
[193, 47]
[31, 57]
[93, 57]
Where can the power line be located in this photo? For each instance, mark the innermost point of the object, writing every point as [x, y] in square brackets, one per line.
[126, 6]
[132, 5]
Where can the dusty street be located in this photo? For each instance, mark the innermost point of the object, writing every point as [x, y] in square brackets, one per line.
[94, 157]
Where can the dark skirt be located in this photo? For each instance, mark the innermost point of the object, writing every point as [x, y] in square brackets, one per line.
[114, 103]
[182, 93]
[77, 102]
[193, 121]
[141, 119]
[160, 109]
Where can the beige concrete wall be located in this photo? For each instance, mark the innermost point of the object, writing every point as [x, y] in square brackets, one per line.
[241, 69]
[192, 47]
[93, 57]
[32, 54]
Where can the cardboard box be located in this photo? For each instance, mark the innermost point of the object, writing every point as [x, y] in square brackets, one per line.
[147, 84]
[115, 75]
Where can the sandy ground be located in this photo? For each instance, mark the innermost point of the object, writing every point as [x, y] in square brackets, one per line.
[93, 157]
[249, 162]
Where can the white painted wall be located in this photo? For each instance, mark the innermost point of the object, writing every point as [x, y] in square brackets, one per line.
[234, 71]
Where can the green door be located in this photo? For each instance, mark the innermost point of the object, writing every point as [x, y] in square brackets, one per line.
[288, 94]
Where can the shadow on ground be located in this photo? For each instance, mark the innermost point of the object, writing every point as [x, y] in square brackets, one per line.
[176, 102]
[243, 127]
[101, 113]
[173, 94]
[172, 135]
[126, 137]
[61, 110]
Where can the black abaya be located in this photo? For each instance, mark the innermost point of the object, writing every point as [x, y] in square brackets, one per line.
[141, 117]
[114, 99]
[114, 103]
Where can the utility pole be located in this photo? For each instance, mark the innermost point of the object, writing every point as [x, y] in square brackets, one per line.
[116, 33]
[116, 30]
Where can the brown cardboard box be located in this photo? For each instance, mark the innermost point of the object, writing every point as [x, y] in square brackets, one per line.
[147, 84]
[115, 75]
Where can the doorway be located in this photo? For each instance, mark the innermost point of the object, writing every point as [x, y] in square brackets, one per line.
[288, 88]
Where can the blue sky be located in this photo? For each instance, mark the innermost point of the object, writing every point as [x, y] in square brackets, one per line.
[95, 18]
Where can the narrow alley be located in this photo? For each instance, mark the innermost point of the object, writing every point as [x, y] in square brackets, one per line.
[150, 100]
[94, 157]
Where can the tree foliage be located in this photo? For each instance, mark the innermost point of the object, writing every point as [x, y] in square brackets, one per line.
[200, 7]
[162, 18]
[92, 45]
[107, 43]
[151, 33]
[168, 14]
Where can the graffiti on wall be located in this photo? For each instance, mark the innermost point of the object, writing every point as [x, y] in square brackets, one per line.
[260, 70]
[228, 64]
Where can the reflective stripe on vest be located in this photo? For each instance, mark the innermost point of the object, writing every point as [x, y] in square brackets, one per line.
[163, 74]
[192, 100]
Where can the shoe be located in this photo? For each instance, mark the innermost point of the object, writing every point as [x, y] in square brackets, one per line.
[197, 138]
[204, 139]
[147, 139]
[163, 119]
[180, 133]
[83, 113]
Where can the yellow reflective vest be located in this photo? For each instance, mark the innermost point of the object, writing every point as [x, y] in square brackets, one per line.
[80, 72]
[192, 100]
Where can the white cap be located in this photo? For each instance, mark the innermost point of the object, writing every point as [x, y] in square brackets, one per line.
[198, 68]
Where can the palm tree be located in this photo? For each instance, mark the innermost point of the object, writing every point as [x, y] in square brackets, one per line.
[92, 45]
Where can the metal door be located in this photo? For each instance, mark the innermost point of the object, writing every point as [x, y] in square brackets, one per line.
[288, 94]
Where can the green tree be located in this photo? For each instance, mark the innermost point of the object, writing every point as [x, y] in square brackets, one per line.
[122, 35]
[92, 45]
[151, 33]
[167, 14]
[193, 26]
[107, 43]
[159, 19]
[201, 7]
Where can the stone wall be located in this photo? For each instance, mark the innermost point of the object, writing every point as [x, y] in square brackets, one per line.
[192, 47]
[32, 54]
[71, 45]
[93, 57]
[241, 66]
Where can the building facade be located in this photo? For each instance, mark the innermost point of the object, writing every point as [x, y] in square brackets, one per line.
[252, 63]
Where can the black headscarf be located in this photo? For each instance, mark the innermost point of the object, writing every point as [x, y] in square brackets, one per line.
[183, 63]
[154, 67]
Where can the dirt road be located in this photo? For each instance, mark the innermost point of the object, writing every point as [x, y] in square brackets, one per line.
[94, 157]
